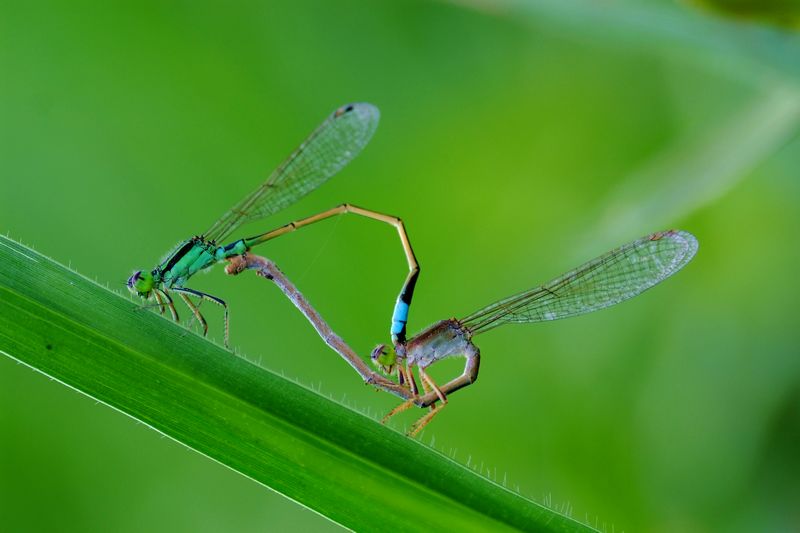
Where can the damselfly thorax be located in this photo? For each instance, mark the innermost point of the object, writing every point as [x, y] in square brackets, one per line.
[446, 338]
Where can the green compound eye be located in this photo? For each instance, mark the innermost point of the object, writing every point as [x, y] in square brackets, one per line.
[383, 358]
[387, 358]
[141, 283]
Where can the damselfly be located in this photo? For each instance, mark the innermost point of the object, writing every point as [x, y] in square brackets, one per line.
[607, 280]
[338, 140]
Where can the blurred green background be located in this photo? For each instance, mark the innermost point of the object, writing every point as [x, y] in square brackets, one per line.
[517, 140]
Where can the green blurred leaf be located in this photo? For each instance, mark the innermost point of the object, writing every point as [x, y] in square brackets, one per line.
[698, 170]
[313, 450]
[743, 50]
[780, 12]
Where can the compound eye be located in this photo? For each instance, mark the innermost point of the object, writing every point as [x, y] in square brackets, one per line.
[378, 351]
[133, 279]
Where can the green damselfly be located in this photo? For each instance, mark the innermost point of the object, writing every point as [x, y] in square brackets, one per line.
[330, 147]
[607, 280]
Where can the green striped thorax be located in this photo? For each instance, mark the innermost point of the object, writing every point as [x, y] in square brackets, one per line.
[188, 258]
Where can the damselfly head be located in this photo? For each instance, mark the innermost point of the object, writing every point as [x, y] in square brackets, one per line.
[141, 283]
[384, 359]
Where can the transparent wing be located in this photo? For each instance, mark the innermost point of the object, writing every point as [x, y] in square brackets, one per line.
[611, 278]
[329, 148]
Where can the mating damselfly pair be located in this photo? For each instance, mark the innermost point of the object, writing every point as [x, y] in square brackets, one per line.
[609, 279]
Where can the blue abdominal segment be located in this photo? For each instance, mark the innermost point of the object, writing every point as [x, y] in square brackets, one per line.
[399, 318]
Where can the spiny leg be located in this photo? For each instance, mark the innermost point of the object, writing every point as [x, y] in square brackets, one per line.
[468, 377]
[170, 304]
[159, 303]
[195, 312]
[197, 307]
[425, 420]
[427, 379]
[204, 296]
[399, 409]
[412, 383]
[427, 388]
[401, 375]
[408, 374]
[400, 313]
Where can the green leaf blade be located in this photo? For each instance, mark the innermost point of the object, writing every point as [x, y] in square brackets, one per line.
[311, 449]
